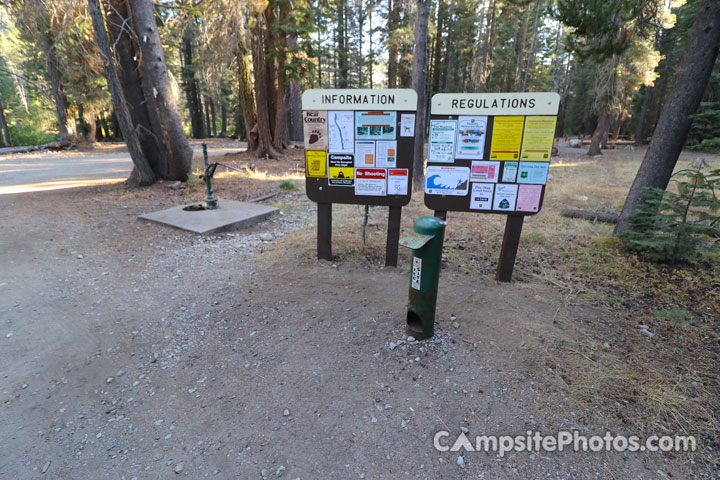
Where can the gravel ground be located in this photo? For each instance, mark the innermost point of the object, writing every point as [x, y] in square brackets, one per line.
[129, 350]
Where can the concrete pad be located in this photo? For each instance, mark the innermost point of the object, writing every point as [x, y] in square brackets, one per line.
[230, 214]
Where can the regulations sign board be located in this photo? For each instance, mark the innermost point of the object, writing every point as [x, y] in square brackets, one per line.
[359, 145]
[490, 152]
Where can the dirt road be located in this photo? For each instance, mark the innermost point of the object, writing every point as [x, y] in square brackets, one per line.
[107, 163]
[131, 351]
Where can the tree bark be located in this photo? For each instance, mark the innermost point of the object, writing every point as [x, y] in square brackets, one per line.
[393, 13]
[520, 48]
[261, 94]
[66, 130]
[190, 84]
[435, 87]
[419, 79]
[296, 129]
[4, 131]
[342, 53]
[142, 174]
[223, 117]
[487, 48]
[144, 117]
[213, 124]
[154, 70]
[639, 128]
[246, 93]
[600, 130]
[693, 75]
[533, 43]
[280, 131]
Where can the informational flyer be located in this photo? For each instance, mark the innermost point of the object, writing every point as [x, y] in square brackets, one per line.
[370, 181]
[375, 125]
[407, 125]
[484, 171]
[505, 197]
[507, 136]
[533, 172]
[386, 153]
[397, 181]
[340, 170]
[364, 153]
[538, 138]
[528, 198]
[340, 132]
[481, 196]
[441, 144]
[316, 163]
[471, 137]
[315, 130]
[509, 171]
[447, 180]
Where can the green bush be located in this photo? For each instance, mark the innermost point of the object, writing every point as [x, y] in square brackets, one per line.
[287, 185]
[670, 227]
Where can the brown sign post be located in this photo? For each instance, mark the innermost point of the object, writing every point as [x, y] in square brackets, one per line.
[359, 150]
[490, 153]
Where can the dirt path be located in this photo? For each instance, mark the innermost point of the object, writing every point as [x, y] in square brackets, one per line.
[128, 350]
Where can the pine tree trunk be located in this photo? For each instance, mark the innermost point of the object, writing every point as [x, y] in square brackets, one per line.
[265, 145]
[419, 79]
[143, 115]
[4, 131]
[280, 132]
[487, 48]
[190, 85]
[66, 133]
[154, 70]
[600, 130]
[206, 109]
[213, 123]
[435, 86]
[520, 48]
[393, 20]
[693, 75]
[223, 118]
[533, 43]
[142, 174]
[246, 92]
[639, 140]
[342, 53]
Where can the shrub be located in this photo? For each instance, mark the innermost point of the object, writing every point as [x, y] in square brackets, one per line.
[670, 227]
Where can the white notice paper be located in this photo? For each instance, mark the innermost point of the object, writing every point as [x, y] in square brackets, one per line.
[509, 171]
[481, 196]
[397, 181]
[386, 154]
[441, 145]
[371, 181]
[364, 153]
[471, 137]
[340, 132]
[505, 197]
[407, 125]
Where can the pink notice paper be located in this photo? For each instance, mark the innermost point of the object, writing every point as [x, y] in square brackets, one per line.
[528, 199]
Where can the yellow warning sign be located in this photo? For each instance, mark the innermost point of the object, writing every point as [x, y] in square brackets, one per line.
[507, 136]
[538, 138]
[341, 176]
[315, 163]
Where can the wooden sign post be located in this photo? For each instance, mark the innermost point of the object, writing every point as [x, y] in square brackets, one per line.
[359, 150]
[490, 153]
